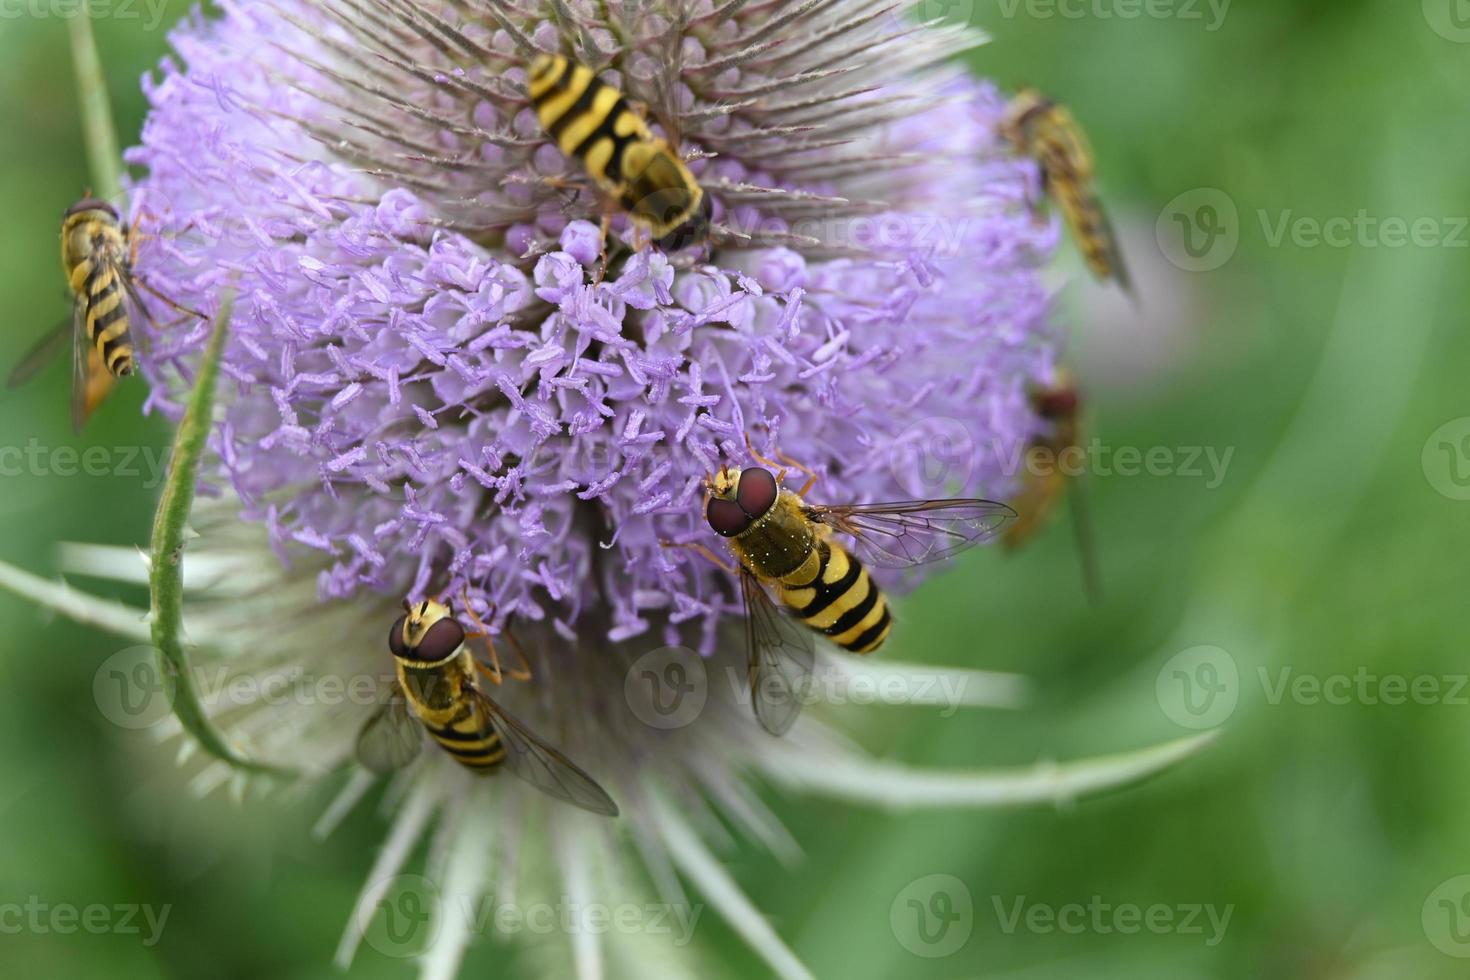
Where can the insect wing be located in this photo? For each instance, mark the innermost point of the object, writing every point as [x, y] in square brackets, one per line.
[542, 766]
[391, 738]
[90, 381]
[781, 654]
[914, 532]
[45, 349]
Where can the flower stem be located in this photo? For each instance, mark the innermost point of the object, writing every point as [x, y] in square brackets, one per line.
[97, 127]
[165, 579]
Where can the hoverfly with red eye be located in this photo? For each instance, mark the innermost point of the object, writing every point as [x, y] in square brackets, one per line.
[437, 692]
[1046, 480]
[786, 544]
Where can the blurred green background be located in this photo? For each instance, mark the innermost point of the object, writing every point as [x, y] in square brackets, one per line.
[1327, 550]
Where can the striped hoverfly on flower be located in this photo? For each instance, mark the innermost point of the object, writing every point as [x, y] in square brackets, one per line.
[97, 255]
[789, 546]
[1046, 479]
[438, 692]
[644, 175]
[1047, 133]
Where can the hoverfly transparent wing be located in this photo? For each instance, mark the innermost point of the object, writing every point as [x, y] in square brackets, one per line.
[91, 382]
[914, 532]
[45, 350]
[542, 766]
[391, 738]
[781, 655]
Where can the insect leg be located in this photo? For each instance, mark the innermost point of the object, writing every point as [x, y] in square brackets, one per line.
[177, 306]
[811, 476]
[701, 549]
[750, 448]
[496, 673]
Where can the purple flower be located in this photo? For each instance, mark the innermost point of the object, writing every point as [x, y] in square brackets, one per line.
[432, 385]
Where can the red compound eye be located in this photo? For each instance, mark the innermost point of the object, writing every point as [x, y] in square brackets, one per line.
[395, 637]
[757, 491]
[726, 517]
[442, 639]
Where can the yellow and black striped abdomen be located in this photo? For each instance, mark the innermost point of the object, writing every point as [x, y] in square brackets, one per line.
[444, 698]
[589, 119]
[108, 328]
[470, 739]
[832, 593]
[90, 247]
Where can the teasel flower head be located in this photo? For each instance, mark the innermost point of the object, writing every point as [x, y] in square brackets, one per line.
[432, 388]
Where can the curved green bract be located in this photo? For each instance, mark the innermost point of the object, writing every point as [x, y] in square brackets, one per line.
[165, 577]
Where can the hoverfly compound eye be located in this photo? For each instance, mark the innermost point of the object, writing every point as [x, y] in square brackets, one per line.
[395, 637]
[91, 204]
[440, 642]
[757, 491]
[726, 517]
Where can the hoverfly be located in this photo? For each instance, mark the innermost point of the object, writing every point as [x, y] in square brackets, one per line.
[1046, 480]
[437, 692]
[1046, 132]
[786, 544]
[96, 256]
[592, 122]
